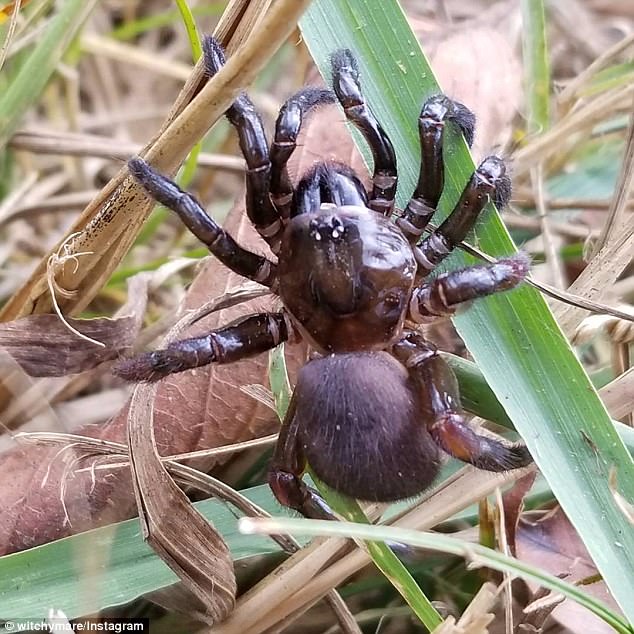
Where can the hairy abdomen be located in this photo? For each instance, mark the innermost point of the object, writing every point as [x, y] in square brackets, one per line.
[361, 429]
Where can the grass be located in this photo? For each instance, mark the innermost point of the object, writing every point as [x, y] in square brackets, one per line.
[524, 372]
[515, 341]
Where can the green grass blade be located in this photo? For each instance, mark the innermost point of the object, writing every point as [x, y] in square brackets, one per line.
[190, 26]
[385, 559]
[278, 380]
[536, 65]
[28, 84]
[110, 566]
[479, 555]
[513, 337]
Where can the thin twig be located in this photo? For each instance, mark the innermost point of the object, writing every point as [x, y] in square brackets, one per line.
[615, 221]
[13, 22]
[552, 256]
[575, 84]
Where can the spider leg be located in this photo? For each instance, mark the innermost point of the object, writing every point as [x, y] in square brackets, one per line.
[241, 339]
[436, 112]
[442, 295]
[489, 181]
[328, 183]
[287, 128]
[247, 122]
[286, 469]
[345, 78]
[220, 243]
[446, 422]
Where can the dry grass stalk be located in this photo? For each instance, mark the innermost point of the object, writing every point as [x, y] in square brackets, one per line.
[302, 582]
[581, 120]
[476, 618]
[111, 222]
[74, 144]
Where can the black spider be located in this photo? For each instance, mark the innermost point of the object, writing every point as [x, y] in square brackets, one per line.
[371, 414]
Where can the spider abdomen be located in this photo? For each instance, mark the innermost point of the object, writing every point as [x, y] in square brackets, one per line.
[358, 419]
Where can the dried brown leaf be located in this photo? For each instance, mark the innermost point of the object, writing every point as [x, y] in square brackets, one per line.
[552, 544]
[45, 346]
[183, 539]
[43, 497]
[480, 68]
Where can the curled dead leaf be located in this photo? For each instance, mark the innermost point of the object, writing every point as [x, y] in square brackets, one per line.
[183, 539]
[45, 346]
[513, 501]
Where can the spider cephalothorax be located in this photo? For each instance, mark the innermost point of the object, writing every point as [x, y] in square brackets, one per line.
[371, 415]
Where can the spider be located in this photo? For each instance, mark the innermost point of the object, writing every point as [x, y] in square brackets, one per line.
[372, 414]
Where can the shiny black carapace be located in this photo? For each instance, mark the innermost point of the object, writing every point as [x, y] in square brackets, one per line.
[371, 414]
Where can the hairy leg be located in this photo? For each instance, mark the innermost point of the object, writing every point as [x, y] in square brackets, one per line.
[489, 182]
[289, 123]
[445, 293]
[345, 77]
[244, 117]
[446, 422]
[241, 339]
[218, 241]
[286, 469]
[437, 111]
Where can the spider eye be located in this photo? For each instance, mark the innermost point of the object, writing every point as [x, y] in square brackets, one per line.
[313, 230]
[392, 300]
[330, 227]
[337, 228]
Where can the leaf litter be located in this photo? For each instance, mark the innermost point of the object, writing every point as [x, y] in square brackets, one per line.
[209, 407]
